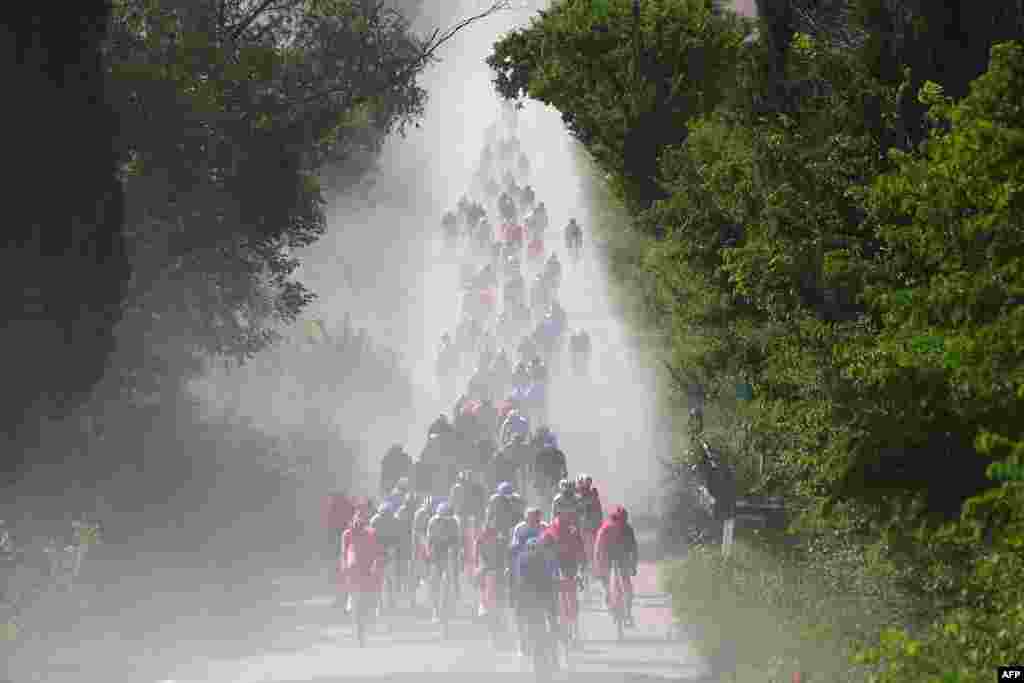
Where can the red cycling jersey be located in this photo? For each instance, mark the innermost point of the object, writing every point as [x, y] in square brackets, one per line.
[338, 511]
[360, 551]
[568, 541]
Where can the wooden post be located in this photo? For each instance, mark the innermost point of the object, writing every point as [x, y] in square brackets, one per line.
[728, 527]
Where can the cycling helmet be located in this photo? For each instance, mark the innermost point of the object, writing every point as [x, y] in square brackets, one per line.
[444, 510]
[566, 486]
[386, 508]
[505, 488]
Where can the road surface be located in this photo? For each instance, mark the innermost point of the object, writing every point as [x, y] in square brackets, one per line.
[282, 628]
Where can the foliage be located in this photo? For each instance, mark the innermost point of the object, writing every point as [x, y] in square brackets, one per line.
[625, 109]
[227, 112]
[866, 286]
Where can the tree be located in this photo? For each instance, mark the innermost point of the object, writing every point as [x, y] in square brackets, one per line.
[64, 265]
[624, 111]
[229, 110]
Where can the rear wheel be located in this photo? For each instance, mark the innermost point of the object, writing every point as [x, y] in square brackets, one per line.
[360, 611]
[618, 606]
[444, 603]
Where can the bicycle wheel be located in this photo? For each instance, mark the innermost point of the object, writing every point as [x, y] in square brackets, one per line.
[538, 644]
[618, 608]
[443, 606]
[360, 602]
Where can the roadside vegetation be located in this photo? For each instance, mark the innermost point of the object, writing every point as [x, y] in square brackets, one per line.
[818, 213]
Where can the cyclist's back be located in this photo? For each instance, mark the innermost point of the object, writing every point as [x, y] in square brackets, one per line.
[568, 543]
[616, 544]
[550, 466]
[537, 571]
[505, 509]
[565, 502]
[591, 511]
[444, 534]
[387, 527]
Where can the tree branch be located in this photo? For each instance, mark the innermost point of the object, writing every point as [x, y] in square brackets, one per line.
[247, 22]
[429, 47]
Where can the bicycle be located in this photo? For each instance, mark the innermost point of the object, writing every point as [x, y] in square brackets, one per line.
[617, 601]
[541, 639]
[362, 614]
[445, 591]
[569, 611]
[387, 595]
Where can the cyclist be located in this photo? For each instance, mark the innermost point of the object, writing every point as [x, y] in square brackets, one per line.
[549, 468]
[444, 539]
[521, 375]
[544, 437]
[505, 508]
[360, 552]
[507, 210]
[616, 546]
[338, 512]
[462, 209]
[571, 555]
[566, 500]
[397, 495]
[419, 534]
[515, 423]
[573, 236]
[539, 219]
[526, 198]
[388, 530]
[503, 465]
[476, 495]
[530, 528]
[553, 270]
[474, 214]
[537, 588]
[395, 465]
[533, 519]
[591, 512]
[459, 493]
[405, 516]
[489, 558]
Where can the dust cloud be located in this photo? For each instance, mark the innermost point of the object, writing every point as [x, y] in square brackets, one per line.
[382, 262]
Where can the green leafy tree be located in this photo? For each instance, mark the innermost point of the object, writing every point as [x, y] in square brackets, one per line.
[625, 92]
[229, 111]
